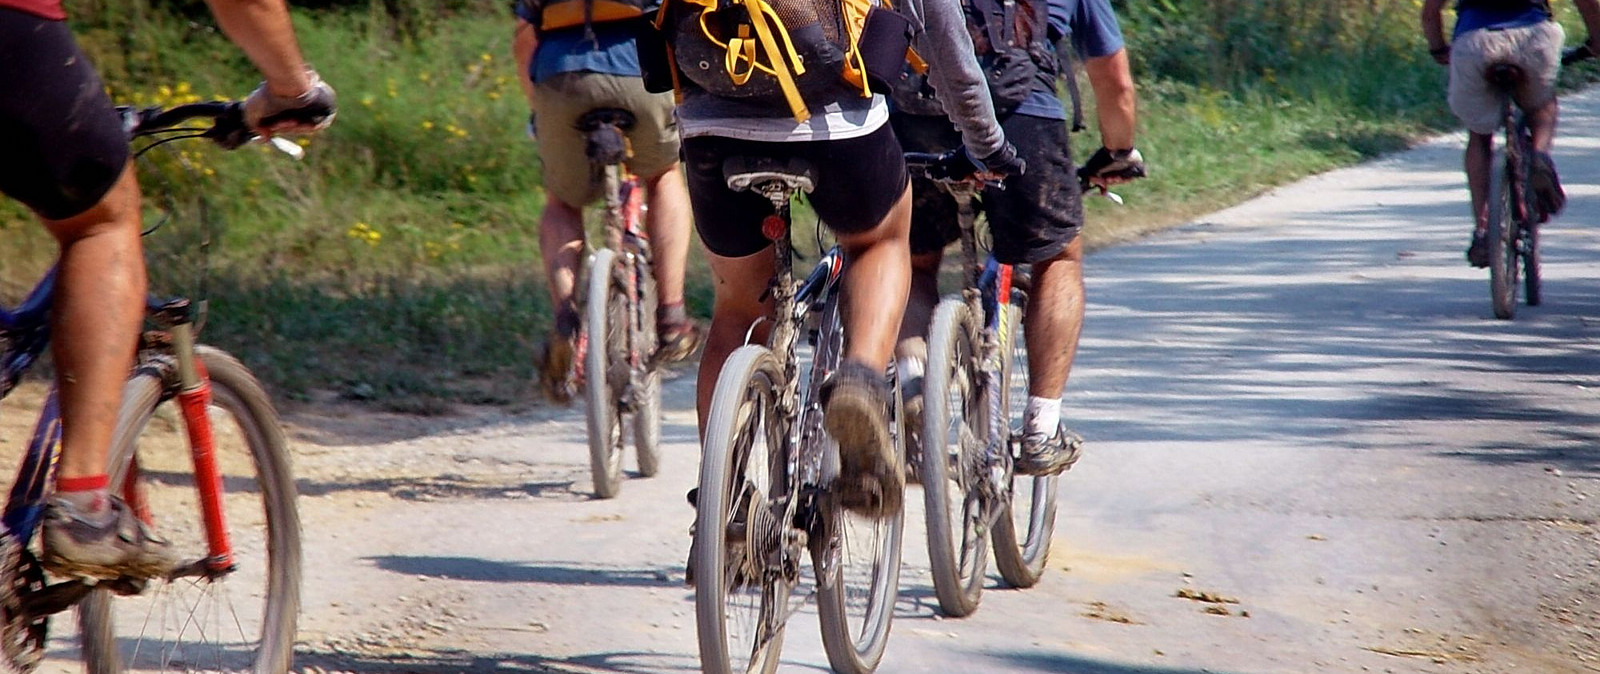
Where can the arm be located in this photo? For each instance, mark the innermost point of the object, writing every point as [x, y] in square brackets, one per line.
[263, 31]
[1115, 103]
[1433, 30]
[1590, 10]
[957, 81]
[522, 46]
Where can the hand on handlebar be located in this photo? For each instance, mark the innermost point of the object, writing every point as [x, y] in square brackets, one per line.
[1111, 167]
[1002, 164]
[267, 113]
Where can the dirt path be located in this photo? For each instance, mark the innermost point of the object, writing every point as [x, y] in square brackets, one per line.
[1302, 404]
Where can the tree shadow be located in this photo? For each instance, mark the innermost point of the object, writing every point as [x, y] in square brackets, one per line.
[495, 571]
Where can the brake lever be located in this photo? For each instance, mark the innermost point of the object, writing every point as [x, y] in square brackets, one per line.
[287, 147]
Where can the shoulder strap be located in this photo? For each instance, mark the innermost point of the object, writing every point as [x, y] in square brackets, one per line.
[996, 21]
[1065, 65]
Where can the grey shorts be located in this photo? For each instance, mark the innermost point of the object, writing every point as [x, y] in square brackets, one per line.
[1536, 49]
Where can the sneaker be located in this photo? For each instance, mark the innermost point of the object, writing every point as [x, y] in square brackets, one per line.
[1478, 252]
[1548, 197]
[911, 393]
[107, 545]
[1049, 455]
[677, 340]
[855, 411]
[555, 358]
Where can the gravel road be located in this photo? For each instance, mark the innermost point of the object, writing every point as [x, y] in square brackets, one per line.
[1302, 404]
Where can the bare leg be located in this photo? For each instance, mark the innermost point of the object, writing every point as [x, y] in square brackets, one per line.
[877, 280]
[1054, 320]
[920, 303]
[1480, 152]
[99, 308]
[739, 283]
[560, 244]
[1542, 122]
[668, 224]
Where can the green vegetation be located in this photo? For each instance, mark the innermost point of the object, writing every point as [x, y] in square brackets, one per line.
[398, 261]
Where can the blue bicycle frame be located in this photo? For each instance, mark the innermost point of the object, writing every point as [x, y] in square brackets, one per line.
[26, 332]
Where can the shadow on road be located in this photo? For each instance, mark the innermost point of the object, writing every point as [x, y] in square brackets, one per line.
[1322, 333]
[461, 662]
[1064, 663]
[493, 571]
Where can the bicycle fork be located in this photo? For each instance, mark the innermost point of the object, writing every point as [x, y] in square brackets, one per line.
[194, 401]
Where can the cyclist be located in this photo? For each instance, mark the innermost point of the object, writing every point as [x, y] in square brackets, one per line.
[64, 154]
[566, 72]
[1522, 33]
[1036, 217]
[861, 193]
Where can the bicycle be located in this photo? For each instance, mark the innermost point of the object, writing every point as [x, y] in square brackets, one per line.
[1514, 217]
[965, 460]
[622, 377]
[765, 475]
[231, 479]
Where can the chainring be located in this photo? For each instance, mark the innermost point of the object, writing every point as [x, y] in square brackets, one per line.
[22, 636]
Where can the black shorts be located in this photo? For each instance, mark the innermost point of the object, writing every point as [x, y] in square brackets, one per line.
[858, 181]
[1032, 220]
[62, 146]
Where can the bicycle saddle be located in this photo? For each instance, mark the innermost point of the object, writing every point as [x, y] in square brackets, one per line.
[1503, 74]
[606, 143]
[743, 173]
[601, 117]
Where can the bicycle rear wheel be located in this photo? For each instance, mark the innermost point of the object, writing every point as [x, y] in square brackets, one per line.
[647, 399]
[741, 601]
[607, 325]
[955, 427]
[243, 619]
[858, 578]
[1026, 524]
[1503, 258]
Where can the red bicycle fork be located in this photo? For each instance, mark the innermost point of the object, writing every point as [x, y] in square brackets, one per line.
[194, 401]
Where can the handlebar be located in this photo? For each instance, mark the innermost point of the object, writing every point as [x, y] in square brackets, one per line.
[950, 168]
[1576, 54]
[227, 124]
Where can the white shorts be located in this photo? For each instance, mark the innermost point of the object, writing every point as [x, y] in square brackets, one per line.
[1536, 49]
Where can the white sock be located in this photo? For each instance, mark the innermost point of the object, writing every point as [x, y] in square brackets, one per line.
[1042, 417]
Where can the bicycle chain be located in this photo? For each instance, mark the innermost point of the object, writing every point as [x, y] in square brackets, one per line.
[22, 636]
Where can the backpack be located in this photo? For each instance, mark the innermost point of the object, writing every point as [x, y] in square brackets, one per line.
[1022, 63]
[557, 14]
[794, 53]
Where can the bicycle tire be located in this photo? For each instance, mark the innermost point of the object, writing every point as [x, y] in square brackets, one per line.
[743, 408]
[606, 343]
[855, 639]
[1503, 257]
[1532, 275]
[142, 435]
[647, 403]
[954, 426]
[1020, 559]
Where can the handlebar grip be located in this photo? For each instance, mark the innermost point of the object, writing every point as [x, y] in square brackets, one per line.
[314, 114]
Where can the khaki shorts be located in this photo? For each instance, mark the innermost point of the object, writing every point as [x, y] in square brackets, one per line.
[1536, 49]
[561, 100]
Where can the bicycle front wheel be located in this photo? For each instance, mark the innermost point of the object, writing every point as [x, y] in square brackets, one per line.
[1531, 274]
[1503, 258]
[242, 619]
[607, 326]
[955, 428]
[742, 585]
[1027, 522]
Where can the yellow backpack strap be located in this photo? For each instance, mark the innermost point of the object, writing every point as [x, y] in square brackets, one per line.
[780, 65]
[918, 65]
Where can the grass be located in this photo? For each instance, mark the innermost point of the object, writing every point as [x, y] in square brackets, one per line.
[398, 262]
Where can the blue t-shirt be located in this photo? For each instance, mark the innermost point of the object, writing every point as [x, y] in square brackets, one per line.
[568, 50]
[1092, 24]
[1477, 19]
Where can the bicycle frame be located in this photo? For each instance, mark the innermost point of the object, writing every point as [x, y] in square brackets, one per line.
[26, 331]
